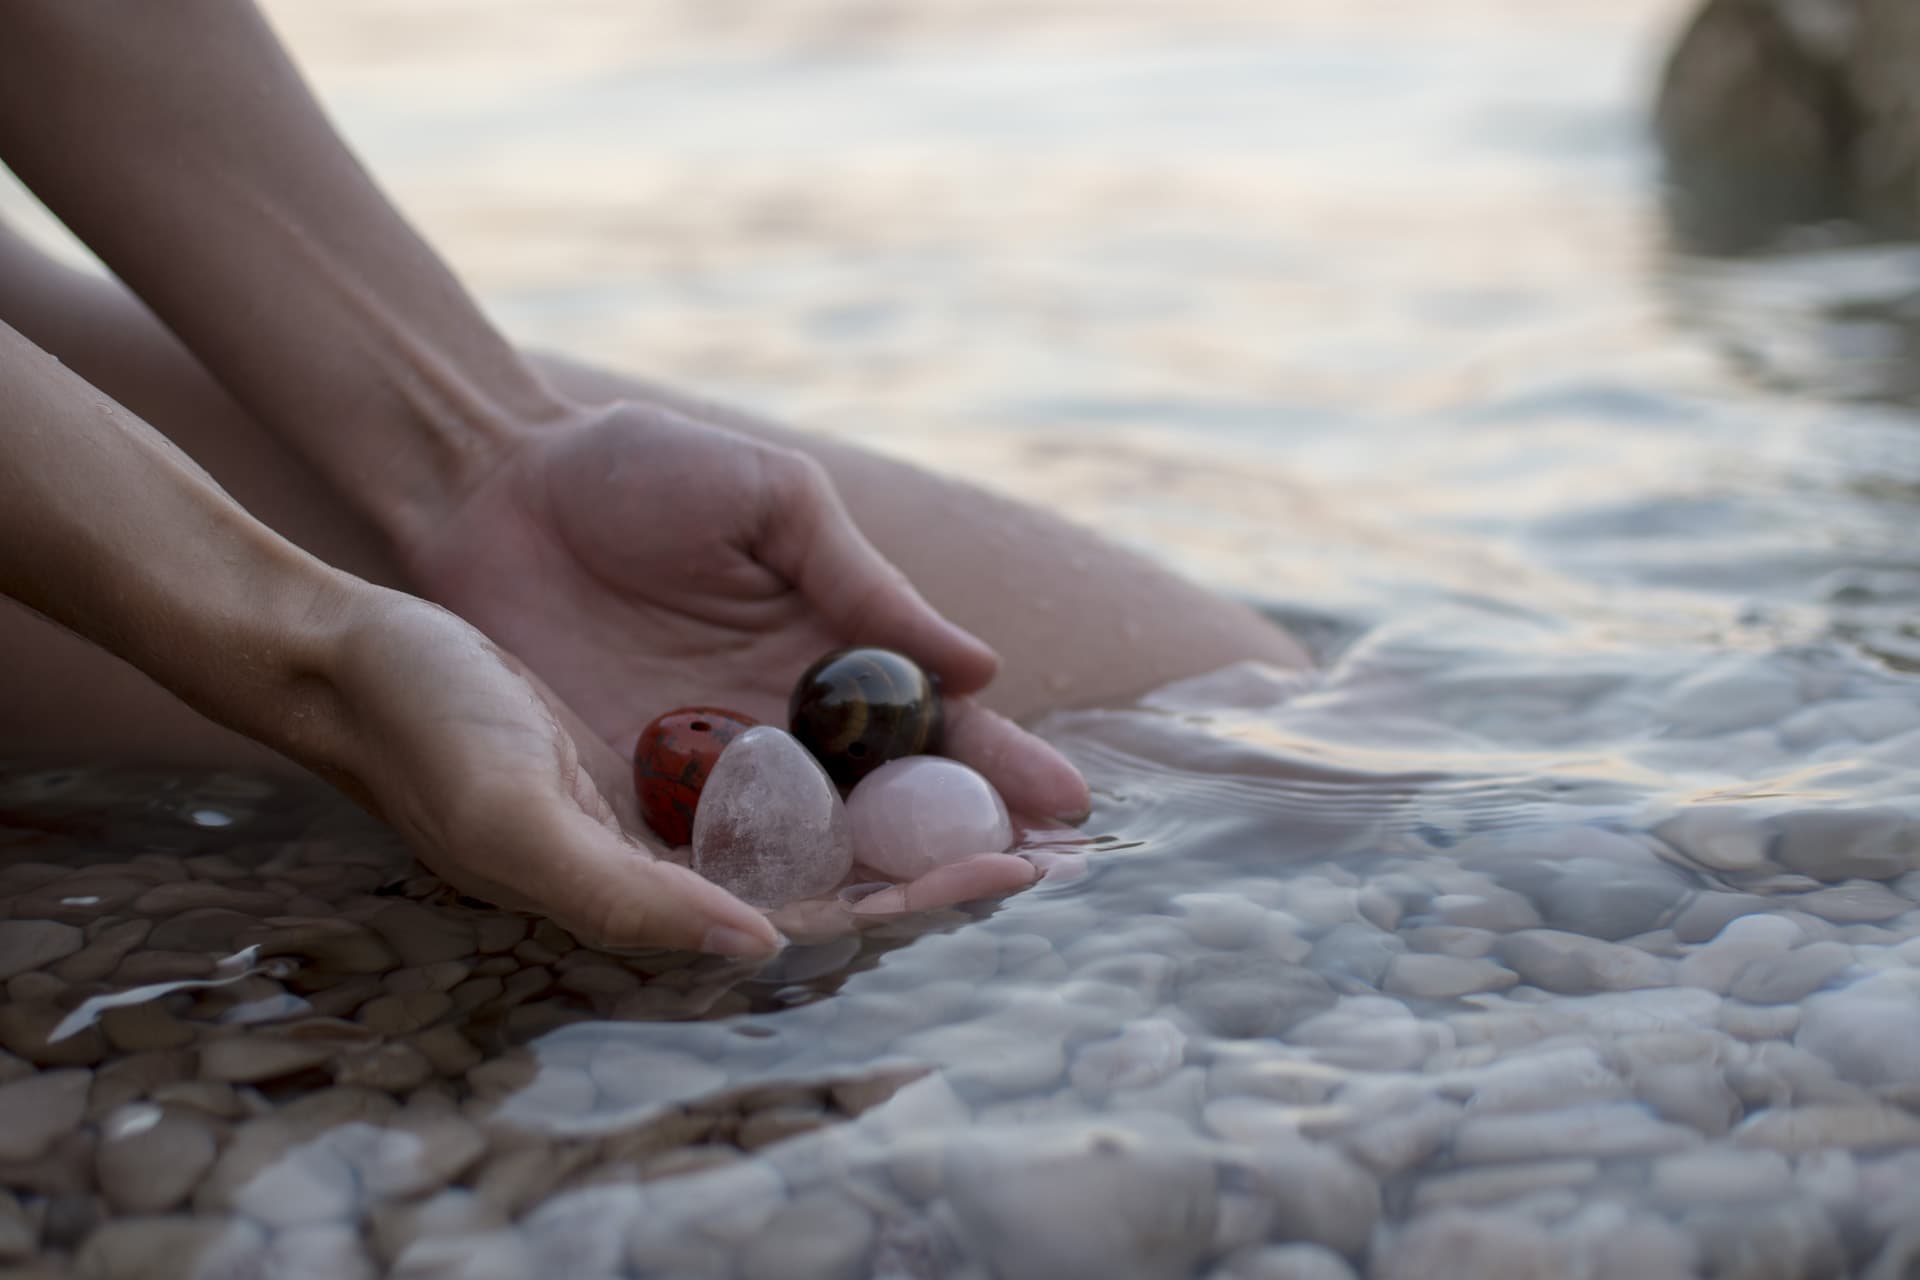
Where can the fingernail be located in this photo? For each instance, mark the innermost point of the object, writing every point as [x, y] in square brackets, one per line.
[723, 941]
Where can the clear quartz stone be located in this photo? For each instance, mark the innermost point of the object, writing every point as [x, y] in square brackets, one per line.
[910, 816]
[771, 827]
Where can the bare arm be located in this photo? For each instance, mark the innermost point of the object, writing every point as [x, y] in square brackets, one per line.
[109, 530]
[179, 142]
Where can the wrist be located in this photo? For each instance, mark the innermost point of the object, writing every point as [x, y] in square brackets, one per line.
[442, 436]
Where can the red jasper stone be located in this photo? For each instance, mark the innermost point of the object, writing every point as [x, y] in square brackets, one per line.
[672, 760]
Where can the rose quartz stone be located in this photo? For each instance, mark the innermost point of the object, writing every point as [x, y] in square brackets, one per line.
[910, 816]
[771, 828]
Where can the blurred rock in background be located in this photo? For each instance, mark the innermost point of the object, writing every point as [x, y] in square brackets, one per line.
[1778, 114]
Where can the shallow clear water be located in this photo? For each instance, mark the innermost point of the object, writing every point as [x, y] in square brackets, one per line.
[1564, 924]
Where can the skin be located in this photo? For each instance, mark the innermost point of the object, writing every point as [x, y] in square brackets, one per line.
[287, 496]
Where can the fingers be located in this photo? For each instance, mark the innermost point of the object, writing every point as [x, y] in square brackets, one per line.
[814, 544]
[608, 891]
[986, 875]
[1029, 774]
[543, 853]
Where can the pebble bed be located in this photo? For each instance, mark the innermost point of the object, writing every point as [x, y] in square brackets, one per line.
[1319, 1008]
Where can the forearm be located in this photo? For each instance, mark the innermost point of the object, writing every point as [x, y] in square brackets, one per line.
[182, 146]
[109, 530]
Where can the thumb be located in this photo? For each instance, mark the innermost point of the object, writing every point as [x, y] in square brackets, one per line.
[813, 543]
[609, 891]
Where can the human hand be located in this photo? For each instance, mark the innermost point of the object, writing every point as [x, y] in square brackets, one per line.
[638, 560]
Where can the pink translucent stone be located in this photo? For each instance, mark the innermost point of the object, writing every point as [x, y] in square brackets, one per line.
[910, 816]
[771, 828]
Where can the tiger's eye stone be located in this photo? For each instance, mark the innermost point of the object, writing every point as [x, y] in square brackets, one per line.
[856, 709]
[672, 760]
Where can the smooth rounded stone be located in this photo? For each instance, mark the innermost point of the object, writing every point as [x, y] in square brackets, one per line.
[394, 1068]
[103, 953]
[819, 1235]
[1799, 973]
[1317, 1195]
[1354, 955]
[632, 1075]
[1709, 912]
[1857, 902]
[1549, 1080]
[140, 1028]
[324, 1251]
[34, 986]
[328, 944]
[36, 1111]
[1501, 1183]
[1846, 844]
[1740, 942]
[1720, 1175]
[1143, 1053]
[420, 1149]
[1244, 994]
[150, 1158]
[1371, 1032]
[1572, 964]
[201, 929]
[1284, 1262]
[1261, 1071]
[1460, 1244]
[771, 827]
[419, 935]
[173, 1247]
[174, 897]
[1436, 977]
[583, 1232]
[1724, 838]
[26, 1029]
[1600, 1131]
[1083, 1201]
[486, 1255]
[1618, 1242]
[399, 1015]
[912, 815]
[146, 966]
[19, 1233]
[1223, 920]
[1782, 1240]
[1394, 1144]
[1607, 899]
[1694, 1094]
[1451, 940]
[250, 1059]
[1493, 908]
[78, 897]
[455, 1211]
[308, 1183]
[1870, 1034]
[33, 944]
[1794, 1130]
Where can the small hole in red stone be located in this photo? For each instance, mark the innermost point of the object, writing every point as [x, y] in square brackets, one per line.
[858, 750]
[701, 726]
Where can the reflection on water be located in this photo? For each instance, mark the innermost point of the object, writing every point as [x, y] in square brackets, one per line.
[1565, 923]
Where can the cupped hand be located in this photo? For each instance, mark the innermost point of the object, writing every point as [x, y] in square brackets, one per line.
[508, 796]
[637, 560]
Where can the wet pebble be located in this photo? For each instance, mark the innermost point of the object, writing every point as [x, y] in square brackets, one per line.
[1438, 977]
[34, 944]
[39, 1109]
[1600, 1131]
[1571, 964]
[150, 1158]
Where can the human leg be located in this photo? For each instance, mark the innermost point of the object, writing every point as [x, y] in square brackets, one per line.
[1076, 619]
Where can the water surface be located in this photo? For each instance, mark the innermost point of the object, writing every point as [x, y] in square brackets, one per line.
[1563, 924]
